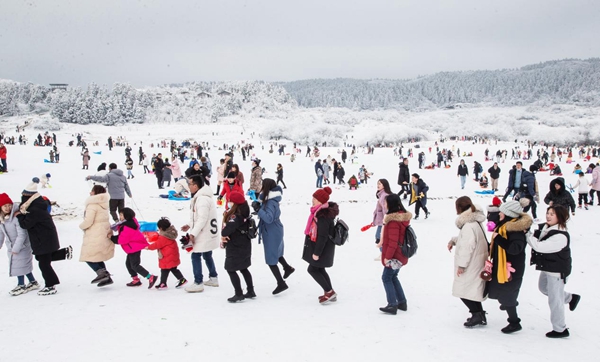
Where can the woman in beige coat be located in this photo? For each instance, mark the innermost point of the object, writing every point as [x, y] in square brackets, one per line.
[470, 255]
[97, 246]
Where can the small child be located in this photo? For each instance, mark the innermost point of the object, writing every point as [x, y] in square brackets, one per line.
[583, 187]
[493, 213]
[133, 242]
[168, 253]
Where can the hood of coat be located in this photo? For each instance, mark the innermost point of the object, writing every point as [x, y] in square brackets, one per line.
[100, 200]
[470, 216]
[397, 216]
[560, 181]
[204, 191]
[31, 202]
[170, 233]
[11, 216]
[275, 194]
[117, 172]
[330, 212]
[522, 223]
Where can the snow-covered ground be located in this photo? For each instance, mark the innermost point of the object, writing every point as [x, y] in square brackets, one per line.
[117, 323]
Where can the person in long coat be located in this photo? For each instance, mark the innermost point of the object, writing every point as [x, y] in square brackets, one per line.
[167, 172]
[97, 246]
[18, 247]
[176, 169]
[238, 246]
[270, 231]
[470, 254]
[319, 251]
[85, 156]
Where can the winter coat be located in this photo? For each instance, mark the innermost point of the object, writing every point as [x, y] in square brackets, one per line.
[270, 227]
[203, 221]
[192, 172]
[17, 241]
[86, 158]
[159, 165]
[93, 183]
[417, 189]
[176, 169]
[392, 236]
[167, 174]
[34, 217]
[228, 189]
[116, 184]
[96, 246]
[470, 253]
[595, 185]
[494, 172]
[527, 181]
[403, 174]
[493, 214]
[463, 170]
[240, 179]
[551, 250]
[514, 246]
[3, 153]
[323, 247]
[166, 244]
[318, 169]
[326, 169]
[131, 238]
[380, 208]
[220, 171]
[582, 185]
[561, 196]
[256, 179]
[129, 164]
[238, 250]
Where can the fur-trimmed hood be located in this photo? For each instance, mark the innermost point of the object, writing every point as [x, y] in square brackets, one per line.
[397, 216]
[522, 223]
[170, 233]
[99, 199]
[470, 216]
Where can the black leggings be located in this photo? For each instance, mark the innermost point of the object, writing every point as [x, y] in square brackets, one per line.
[237, 284]
[321, 277]
[280, 179]
[276, 272]
[45, 264]
[164, 274]
[132, 262]
[474, 307]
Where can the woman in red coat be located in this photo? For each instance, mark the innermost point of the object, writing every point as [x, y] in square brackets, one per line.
[168, 253]
[230, 186]
[395, 223]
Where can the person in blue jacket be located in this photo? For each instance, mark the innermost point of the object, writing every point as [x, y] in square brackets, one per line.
[270, 231]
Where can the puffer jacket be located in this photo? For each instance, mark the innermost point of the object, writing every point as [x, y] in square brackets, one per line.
[595, 185]
[34, 217]
[16, 240]
[560, 196]
[380, 208]
[203, 220]
[96, 246]
[116, 184]
[392, 236]
[168, 249]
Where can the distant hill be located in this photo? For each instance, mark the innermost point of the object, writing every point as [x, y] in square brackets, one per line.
[569, 81]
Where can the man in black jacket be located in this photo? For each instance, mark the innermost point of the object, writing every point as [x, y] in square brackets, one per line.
[159, 165]
[494, 172]
[404, 178]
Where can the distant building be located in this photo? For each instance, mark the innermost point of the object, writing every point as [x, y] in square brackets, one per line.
[204, 95]
[54, 86]
[224, 93]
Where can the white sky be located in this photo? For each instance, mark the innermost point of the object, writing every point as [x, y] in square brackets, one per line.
[157, 42]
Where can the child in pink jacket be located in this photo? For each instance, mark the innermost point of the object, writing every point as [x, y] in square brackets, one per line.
[133, 242]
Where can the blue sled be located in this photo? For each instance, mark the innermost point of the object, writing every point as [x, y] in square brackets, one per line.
[485, 192]
[97, 153]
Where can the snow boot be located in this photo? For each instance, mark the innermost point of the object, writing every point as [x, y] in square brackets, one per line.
[250, 294]
[105, 282]
[280, 288]
[236, 298]
[287, 272]
[135, 282]
[390, 309]
[477, 318]
[102, 274]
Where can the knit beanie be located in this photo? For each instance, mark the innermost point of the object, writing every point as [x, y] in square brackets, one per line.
[237, 198]
[496, 201]
[322, 195]
[231, 174]
[256, 161]
[48, 175]
[32, 188]
[511, 208]
[4, 200]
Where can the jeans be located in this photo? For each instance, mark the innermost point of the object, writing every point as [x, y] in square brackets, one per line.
[319, 181]
[96, 265]
[463, 179]
[4, 167]
[378, 233]
[392, 286]
[197, 266]
[21, 279]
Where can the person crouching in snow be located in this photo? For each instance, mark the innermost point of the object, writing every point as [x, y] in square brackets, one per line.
[133, 242]
[168, 253]
[18, 247]
[45, 181]
[97, 246]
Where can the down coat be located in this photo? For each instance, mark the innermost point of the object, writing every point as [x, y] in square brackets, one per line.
[392, 236]
[17, 241]
[168, 256]
[380, 208]
[131, 238]
[96, 246]
[270, 227]
[323, 247]
[595, 185]
[238, 250]
[203, 220]
[34, 217]
[470, 253]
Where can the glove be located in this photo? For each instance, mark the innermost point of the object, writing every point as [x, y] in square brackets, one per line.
[220, 198]
[256, 206]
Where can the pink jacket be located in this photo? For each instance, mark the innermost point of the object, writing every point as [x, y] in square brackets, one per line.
[380, 209]
[131, 240]
[596, 179]
[176, 168]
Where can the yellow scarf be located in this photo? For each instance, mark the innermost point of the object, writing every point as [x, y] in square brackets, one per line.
[502, 273]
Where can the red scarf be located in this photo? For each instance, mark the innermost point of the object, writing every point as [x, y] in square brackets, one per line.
[311, 224]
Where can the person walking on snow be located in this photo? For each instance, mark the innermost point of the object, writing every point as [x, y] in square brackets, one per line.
[117, 186]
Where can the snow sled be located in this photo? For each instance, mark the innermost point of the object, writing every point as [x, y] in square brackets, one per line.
[171, 196]
[485, 192]
[151, 236]
[147, 226]
[97, 153]
[47, 161]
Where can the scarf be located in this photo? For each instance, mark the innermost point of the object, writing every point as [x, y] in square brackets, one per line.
[311, 224]
[503, 272]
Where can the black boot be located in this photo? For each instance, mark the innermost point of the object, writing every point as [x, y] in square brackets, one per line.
[102, 275]
[105, 282]
[555, 334]
[250, 294]
[403, 307]
[280, 288]
[236, 298]
[218, 190]
[287, 272]
[514, 322]
[390, 309]
[477, 318]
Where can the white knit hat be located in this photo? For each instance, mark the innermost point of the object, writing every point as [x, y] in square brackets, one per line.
[511, 208]
[32, 188]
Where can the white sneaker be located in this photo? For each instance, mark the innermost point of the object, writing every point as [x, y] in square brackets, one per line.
[212, 282]
[377, 258]
[32, 286]
[47, 291]
[195, 288]
[18, 290]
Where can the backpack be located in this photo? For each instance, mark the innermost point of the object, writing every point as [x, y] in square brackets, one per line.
[340, 233]
[252, 231]
[409, 247]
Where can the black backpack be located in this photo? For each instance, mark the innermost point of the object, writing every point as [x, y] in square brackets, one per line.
[340, 233]
[252, 231]
[409, 247]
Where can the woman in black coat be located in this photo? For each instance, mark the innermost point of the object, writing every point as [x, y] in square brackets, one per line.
[35, 218]
[238, 246]
[319, 250]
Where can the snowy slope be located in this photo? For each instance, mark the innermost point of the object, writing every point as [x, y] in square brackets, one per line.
[116, 323]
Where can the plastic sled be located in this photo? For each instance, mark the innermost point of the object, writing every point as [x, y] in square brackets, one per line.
[172, 197]
[147, 226]
[151, 236]
[485, 192]
[47, 161]
[97, 153]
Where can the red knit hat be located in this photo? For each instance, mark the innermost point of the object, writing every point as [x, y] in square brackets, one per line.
[4, 200]
[237, 198]
[322, 195]
[496, 201]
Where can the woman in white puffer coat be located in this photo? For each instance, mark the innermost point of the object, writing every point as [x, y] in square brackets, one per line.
[18, 247]
[471, 252]
[97, 246]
